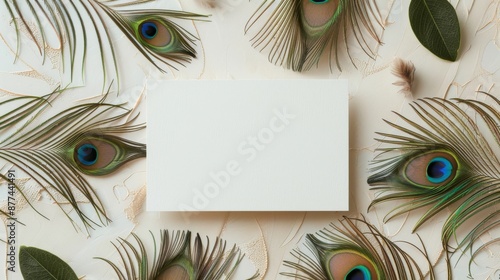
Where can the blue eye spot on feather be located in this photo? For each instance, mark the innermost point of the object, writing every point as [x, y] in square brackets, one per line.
[98, 154]
[360, 272]
[439, 170]
[156, 35]
[352, 264]
[431, 169]
[319, 1]
[87, 154]
[149, 30]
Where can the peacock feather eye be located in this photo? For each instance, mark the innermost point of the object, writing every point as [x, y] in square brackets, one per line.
[101, 154]
[439, 170]
[95, 153]
[148, 30]
[359, 273]
[431, 169]
[353, 249]
[319, 15]
[87, 154]
[154, 34]
[350, 265]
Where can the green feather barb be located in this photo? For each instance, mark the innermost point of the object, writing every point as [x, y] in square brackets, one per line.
[177, 258]
[298, 32]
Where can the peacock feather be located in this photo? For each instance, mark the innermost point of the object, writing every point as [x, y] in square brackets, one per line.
[446, 157]
[297, 32]
[59, 152]
[176, 259]
[353, 249]
[154, 32]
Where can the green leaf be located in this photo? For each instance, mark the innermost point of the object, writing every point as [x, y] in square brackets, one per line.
[435, 23]
[37, 264]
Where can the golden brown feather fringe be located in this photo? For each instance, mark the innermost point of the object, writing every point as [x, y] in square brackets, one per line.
[405, 71]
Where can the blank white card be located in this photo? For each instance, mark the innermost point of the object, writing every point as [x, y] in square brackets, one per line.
[273, 145]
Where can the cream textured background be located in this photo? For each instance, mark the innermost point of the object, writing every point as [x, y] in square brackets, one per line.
[225, 53]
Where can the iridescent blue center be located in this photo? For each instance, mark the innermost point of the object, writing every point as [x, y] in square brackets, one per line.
[87, 154]
[319, 1]
[439, 170]
[359, 272]
[149, 30]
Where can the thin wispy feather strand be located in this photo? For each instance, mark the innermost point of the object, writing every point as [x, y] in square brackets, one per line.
[405, 72]
[354, 249]
[153, 32]
[177, 258]
[298, 32]
[57, 153]
[445, 158]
